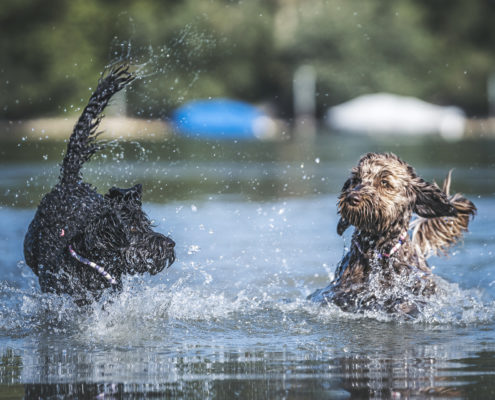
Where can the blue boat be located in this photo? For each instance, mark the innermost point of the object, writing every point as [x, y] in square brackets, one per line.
[221, 119]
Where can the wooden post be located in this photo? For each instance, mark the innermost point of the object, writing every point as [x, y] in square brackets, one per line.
[304, 88]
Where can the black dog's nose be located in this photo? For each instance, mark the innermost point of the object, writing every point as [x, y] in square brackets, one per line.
[353, 198]
[170, 244]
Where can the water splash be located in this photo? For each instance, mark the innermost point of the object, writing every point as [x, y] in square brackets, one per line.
[454, 305]
[146, 309]
[172, 68]
[449, 305]
[27, 311]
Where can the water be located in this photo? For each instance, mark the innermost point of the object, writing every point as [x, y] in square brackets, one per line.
[255, 230]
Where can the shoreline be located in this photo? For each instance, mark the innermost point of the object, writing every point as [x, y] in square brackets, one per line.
[127, 128]
[56, 128]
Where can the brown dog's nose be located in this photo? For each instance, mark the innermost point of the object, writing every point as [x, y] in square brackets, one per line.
[353, 198]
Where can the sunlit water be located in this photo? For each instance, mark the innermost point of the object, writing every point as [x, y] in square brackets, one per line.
[229, 319]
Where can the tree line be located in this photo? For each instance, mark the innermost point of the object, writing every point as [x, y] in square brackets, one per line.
[52, 52]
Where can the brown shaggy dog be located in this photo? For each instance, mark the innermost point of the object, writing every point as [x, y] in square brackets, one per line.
[385, 268]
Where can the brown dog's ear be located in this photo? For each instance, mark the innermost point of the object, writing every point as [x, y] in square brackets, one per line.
[431, 202]
[344, 223]
[342, 226]
[347, 183]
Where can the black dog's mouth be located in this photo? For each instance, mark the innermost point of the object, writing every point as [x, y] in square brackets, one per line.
[169, 245]
[152, 254]
[169, 260]
[154, 266]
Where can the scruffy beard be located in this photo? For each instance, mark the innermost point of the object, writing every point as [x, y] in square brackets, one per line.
[369, 217]
[361, 219]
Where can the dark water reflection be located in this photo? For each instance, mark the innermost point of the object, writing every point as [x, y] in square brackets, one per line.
[181, 169]
[255, 227]
[255, 374]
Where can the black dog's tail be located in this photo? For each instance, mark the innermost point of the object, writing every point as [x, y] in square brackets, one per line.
[82, 144]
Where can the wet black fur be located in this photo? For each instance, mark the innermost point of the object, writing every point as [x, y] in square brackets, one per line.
[110, 230]
[379, 200]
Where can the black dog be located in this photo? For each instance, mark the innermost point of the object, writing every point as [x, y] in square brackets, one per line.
[74, 224]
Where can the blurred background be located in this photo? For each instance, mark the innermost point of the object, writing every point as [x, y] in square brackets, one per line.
[314, 80]
[440, 51]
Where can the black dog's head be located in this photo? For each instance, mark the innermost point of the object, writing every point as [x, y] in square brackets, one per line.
[120, 238]
[383, 192]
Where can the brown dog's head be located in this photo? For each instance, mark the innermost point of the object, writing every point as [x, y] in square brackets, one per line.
[382, 193]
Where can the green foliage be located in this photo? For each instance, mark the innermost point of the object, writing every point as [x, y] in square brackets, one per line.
[52, 51]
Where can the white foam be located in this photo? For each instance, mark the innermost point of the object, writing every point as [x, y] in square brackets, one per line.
[449, 305]
[148, 305]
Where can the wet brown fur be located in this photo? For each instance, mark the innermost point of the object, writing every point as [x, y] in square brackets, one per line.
[434, 236]
[379, 200]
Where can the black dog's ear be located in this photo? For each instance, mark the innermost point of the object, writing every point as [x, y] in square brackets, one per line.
[132, 194]
[431, 202]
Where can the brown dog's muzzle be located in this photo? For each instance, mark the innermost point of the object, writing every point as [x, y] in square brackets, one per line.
[354, 196]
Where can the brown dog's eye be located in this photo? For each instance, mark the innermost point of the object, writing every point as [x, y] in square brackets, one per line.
[385, 183]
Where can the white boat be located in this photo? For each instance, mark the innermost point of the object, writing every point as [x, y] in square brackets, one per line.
[390, 114]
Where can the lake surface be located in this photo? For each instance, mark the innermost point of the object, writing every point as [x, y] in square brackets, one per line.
[255, 226]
